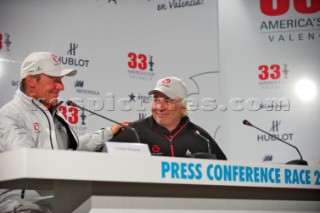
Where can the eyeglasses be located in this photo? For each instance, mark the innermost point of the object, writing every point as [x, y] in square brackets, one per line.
[166, 101]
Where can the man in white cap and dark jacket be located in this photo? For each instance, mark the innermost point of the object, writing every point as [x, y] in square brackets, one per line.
[169, 132]
[31, 120]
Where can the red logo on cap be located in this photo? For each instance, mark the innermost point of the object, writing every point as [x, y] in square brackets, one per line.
[55, 58]
[166, 81]
[155, 148]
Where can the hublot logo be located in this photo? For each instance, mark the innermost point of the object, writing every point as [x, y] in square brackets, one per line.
[275, 129]
[73, 61]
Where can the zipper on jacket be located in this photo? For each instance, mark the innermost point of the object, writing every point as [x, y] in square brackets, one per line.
[170, 139]
[171, 149]
[48, 122]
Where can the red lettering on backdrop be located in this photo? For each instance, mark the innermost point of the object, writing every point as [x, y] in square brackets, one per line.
[267, 72]
[302, 7]
[70, 113]
[0, 41]
[137, 61]
[133, 62]
[280, 7]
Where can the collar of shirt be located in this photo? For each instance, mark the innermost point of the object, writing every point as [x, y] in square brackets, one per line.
[163, 130]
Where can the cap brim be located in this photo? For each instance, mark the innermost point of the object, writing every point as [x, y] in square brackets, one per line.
[64, 72]
[165, 93]
[68, 72]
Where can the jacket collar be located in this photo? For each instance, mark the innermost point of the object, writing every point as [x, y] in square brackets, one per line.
[30, 102]
[27, 101]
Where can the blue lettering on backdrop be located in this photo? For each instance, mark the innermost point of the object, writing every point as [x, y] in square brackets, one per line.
[294, 176]
[181, 171]
[317, 177]
[235, 173]
[243, 174]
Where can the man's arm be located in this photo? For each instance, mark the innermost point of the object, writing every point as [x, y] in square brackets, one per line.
[124, 135]
[95, 140]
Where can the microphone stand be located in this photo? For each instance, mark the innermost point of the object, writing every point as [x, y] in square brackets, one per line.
[204, 155]
[292, 162]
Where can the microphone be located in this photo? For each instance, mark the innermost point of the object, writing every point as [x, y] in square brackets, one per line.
[206, 139]
[204, 155]
[293, 162]
[71, 103]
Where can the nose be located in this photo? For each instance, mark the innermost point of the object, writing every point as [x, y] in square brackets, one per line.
[60, 86]
[160, 105]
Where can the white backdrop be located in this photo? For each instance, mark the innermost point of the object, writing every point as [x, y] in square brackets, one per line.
[216, 47]
[251, 35]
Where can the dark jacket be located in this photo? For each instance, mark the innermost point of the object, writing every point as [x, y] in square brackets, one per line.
[181, 142]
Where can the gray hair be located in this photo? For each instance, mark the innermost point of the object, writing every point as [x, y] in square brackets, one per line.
[184, 104]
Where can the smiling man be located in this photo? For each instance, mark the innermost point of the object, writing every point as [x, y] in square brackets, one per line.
[169, 132]
[32, 120]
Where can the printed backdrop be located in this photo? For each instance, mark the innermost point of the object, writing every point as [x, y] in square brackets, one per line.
[267, 48]
[240, 60]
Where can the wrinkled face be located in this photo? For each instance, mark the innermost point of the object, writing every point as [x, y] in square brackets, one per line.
[47, 89]
[167, 112]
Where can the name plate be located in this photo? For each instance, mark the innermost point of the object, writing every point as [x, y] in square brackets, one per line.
[122, 148]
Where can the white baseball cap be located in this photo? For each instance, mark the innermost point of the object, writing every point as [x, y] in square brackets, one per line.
[172, 87]
[44, 62]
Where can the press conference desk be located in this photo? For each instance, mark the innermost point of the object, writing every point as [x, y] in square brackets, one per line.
[111, 183]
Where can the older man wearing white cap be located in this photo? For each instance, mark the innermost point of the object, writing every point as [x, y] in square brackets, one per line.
[169, 132]
[31, 120]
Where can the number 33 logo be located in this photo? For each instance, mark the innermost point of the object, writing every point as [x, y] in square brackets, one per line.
[137, 61]
[267, 72]
[70, 113]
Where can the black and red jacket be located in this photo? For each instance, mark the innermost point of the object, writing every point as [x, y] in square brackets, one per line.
[181, 142]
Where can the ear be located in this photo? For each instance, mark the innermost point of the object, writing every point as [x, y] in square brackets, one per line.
[30, 81]
[182, 110]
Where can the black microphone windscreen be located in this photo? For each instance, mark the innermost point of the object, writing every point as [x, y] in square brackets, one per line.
[247, 123]
[70, 103]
